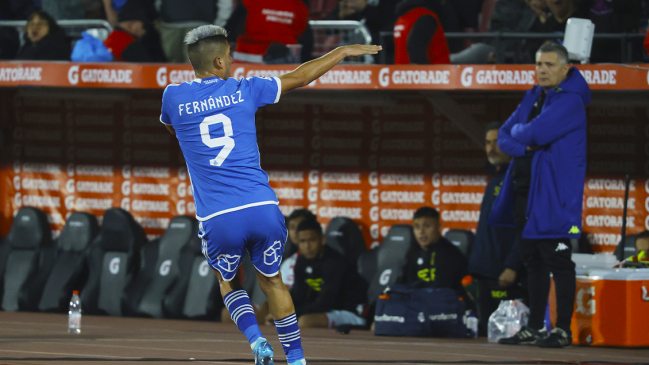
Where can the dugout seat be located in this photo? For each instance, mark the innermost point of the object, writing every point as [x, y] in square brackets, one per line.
[4, 256]
[626, 249]
[462, 239]
[344, 236]
[71, 268]
[160, 269]
[366, 264]
[28, 251]
[113, 260]
[196, 294]
[391, 258]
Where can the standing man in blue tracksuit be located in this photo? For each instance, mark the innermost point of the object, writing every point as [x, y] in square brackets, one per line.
[495, 259]
[543, 190]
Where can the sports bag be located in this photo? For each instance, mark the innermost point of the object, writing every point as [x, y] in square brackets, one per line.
[428, 312]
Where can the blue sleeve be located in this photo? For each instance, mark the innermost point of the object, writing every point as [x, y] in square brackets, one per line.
[164, 116]
[264, 90]
[555, 121]
[506, 142]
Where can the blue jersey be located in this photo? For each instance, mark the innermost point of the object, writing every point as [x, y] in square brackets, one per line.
[214, 120]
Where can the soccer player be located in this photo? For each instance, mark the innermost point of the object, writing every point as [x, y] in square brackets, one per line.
[213, 118]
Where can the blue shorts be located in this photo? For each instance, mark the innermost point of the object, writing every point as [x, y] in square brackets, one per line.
[260, 230]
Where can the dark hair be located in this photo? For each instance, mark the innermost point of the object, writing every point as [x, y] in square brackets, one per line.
[51, 22]
[304, 213]
[426, 212]
[492, 126]
[137, 10]
[554, 47]
[643, 235]
[202, 52]
[310, 225]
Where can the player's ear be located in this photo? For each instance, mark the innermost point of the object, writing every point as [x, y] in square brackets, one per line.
[218, 63]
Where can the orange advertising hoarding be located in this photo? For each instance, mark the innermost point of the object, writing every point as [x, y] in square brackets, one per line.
[354, 77]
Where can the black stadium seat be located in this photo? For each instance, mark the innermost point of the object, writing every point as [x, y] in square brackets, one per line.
[4, 256]
[113, 260]
[195, 295]
[71, 268]
[391, 257]
[29, 251]
[160, 270]
[462, 239]
[344, 236]
[366, 264]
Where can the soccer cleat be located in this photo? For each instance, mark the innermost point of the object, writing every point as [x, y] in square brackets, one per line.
[558, 338]
[263, 352]
[525, 335]
[299, 362]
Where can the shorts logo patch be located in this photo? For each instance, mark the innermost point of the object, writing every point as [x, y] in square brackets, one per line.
[228, 263]
[271, 255]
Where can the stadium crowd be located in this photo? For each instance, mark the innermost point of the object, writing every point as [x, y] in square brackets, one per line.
[411, 31]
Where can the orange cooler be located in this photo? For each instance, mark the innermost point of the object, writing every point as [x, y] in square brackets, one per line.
[612, 308]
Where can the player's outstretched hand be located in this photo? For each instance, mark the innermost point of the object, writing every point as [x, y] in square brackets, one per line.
[361, 49]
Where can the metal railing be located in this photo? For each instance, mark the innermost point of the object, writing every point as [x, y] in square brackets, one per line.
[73, 28]
[626, 39]
[329, 34]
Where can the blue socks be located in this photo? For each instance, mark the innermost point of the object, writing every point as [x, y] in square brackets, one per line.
[238, 304]
[242, 313]
[289, 336]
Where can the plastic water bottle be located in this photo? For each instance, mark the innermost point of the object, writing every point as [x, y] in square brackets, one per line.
[74, 315]
[472, 324]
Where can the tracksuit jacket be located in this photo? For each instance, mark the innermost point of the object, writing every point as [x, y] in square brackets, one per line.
[556, 194]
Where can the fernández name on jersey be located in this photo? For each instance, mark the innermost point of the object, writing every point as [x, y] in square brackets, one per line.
[210, 103]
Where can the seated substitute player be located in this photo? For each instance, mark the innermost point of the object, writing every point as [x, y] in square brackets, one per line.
[213, 118]
[435, 262]
[290, 249]
[327, 291]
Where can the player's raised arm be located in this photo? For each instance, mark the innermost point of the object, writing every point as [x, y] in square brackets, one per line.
[313, 69]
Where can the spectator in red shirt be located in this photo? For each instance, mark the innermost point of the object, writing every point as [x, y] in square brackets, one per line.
[646, 43]
[134, 38]
[268, 22]
[418, 34]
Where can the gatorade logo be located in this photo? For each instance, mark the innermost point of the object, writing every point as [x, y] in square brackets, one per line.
[574, 230]
[385, 277]
[467, 77]
[203, 269]
[113, 267]
[588, 309]
[165, 267]
[645, 295]
[161, 76]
